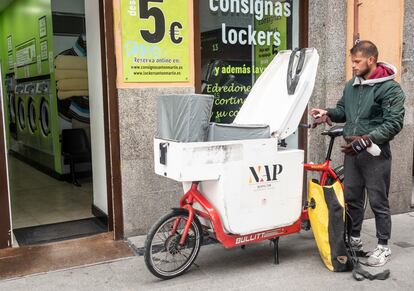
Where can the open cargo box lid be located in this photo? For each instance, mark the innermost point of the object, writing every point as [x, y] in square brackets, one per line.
[269, 101]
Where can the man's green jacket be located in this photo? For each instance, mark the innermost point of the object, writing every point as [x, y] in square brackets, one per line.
[373, 107]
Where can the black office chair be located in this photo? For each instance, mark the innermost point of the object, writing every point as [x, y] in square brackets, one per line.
[75, 149]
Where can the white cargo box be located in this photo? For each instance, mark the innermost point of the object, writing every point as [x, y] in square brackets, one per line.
[253, 185]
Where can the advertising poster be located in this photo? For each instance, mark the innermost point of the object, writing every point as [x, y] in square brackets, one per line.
[227, 75]
[238, 41]
[264, 54]
[155, 40]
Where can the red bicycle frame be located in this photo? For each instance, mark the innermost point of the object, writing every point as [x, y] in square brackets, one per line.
[324, 168]
[230, 240]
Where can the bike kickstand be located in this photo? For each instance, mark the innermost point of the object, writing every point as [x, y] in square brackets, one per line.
[276, 250]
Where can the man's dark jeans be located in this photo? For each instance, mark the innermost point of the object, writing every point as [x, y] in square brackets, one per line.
[365, 171]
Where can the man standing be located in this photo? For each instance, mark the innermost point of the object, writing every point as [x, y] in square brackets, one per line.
[372, 107]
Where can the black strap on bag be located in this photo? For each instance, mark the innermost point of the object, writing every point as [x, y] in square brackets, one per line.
[358, 272]
[292, 81]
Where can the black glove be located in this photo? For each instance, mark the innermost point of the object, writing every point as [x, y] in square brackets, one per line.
[361, 143]
[323, 119]
[356, 144]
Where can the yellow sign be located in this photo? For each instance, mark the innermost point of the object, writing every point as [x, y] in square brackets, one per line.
[155, 40]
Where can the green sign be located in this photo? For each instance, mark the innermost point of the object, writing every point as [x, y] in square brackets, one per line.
[264, 54]
[155, 40]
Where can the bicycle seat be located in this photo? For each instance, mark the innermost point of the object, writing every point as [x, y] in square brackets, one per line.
[334, 131]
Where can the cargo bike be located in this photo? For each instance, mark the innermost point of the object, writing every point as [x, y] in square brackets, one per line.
[241, 184]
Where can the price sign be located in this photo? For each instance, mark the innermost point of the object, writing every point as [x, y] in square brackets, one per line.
[155, 40]
[9, 43]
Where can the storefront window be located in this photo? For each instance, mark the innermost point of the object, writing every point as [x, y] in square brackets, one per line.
[239, 38]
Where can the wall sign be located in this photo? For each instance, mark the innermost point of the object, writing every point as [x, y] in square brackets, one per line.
[10, 61]
[42, 27]
[51, 62]
[9, 43]
[43, 50]
[155, 40]
[26, 53]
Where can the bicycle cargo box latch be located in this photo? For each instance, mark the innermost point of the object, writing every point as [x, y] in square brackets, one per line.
[163, 153]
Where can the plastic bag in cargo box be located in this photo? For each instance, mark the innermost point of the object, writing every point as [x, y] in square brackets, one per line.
[223, 132]
[184, 117]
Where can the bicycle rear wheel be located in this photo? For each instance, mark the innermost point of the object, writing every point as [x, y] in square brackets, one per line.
[164, 256]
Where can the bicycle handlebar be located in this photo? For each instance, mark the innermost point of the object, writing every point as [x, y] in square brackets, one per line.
[305, 125]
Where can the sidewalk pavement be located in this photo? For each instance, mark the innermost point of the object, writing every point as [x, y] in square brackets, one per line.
[236, 269]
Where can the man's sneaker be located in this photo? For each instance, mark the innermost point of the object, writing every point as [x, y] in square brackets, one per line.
[380, 256]
[356, 244]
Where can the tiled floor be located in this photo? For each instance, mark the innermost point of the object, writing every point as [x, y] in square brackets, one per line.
[37, 198]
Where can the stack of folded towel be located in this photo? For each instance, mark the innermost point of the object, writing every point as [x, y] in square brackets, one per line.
[71, 75]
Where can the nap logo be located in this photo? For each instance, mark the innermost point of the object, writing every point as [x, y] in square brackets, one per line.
[267, 173]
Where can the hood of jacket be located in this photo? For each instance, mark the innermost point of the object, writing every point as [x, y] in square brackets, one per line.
[384, 72]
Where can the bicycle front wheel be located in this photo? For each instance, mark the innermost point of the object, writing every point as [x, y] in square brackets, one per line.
[164, 256]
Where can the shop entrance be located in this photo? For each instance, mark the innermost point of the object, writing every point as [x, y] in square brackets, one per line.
[54, 159]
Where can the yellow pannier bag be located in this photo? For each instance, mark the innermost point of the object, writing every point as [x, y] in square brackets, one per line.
[327, 218]
[329, 223]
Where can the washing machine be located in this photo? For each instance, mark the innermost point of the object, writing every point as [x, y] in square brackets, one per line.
[30, 89]
[20, 107]
[37, 126]
[32, 116]
[10, 106]
[45, 118]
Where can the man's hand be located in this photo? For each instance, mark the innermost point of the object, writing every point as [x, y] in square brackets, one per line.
[356, 144]
[320, 116]
[320, 120]
[348, 150]
[316, 112]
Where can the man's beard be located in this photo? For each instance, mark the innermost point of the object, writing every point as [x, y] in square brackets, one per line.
[363, 73]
